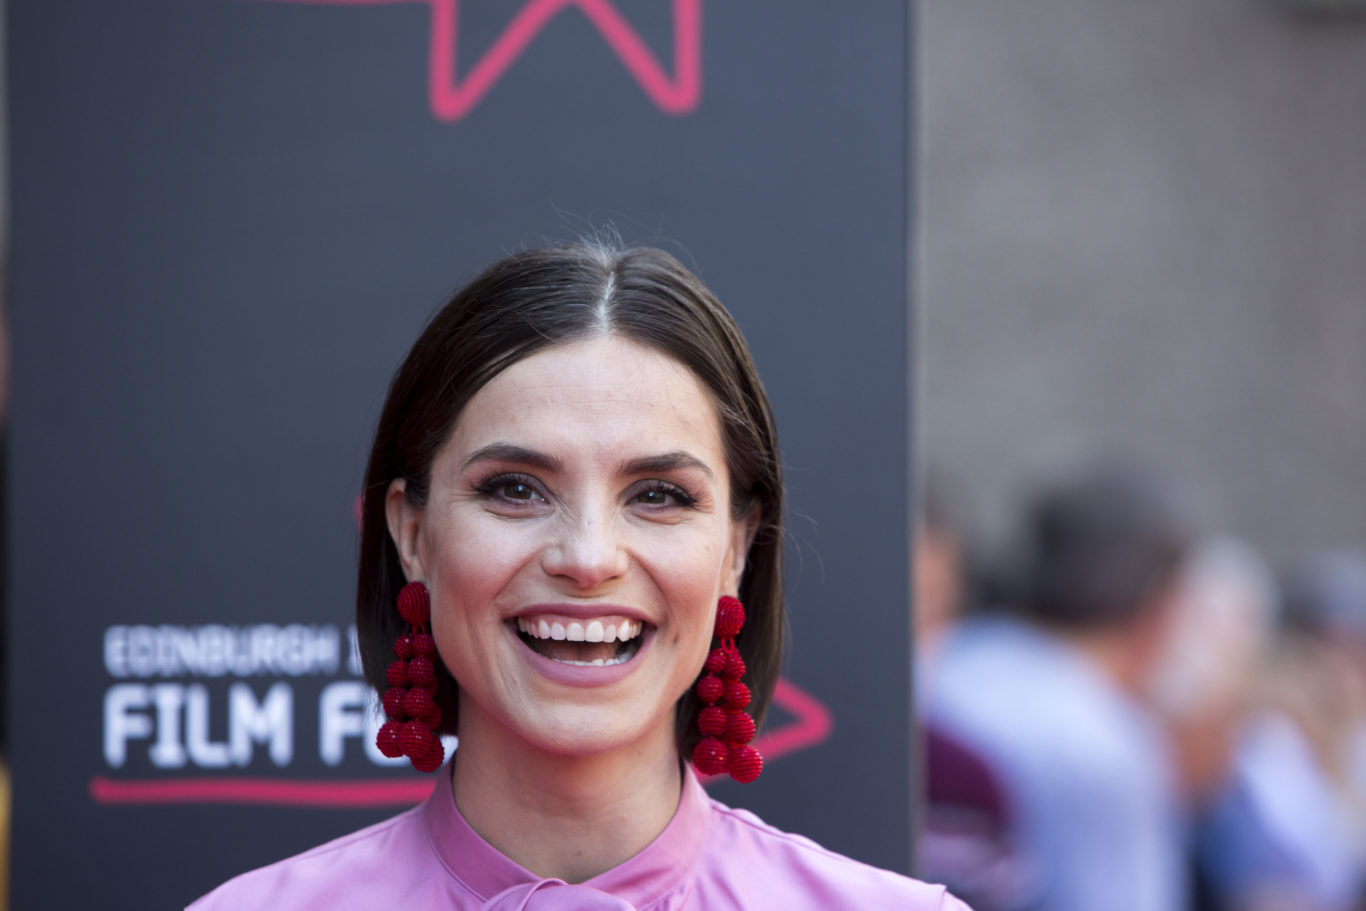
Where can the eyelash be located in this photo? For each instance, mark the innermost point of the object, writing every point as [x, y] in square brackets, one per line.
[681, 496]
[496, 486]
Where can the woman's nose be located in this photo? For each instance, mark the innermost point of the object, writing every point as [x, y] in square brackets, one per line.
[588, 551]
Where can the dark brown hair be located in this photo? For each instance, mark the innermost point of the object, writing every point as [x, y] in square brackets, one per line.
[535, 300]
[1104, 538]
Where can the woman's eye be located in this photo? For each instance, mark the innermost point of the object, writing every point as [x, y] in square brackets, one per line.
[506, 489]
[518, 491]
[663, 495]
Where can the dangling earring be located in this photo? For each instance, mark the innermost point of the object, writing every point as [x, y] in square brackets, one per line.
[726, 729]
[410, 701]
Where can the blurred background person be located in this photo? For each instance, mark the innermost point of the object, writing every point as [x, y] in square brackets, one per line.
[1287, 832]
[967, 834]
[1203, 682]
[1050, 694]
[1203, 688]
[940, 563]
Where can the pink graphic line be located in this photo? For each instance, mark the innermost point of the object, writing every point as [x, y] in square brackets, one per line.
[276, 791]
[811, 726]
[451, 98]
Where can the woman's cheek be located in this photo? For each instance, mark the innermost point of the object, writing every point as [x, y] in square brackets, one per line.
[482, 548]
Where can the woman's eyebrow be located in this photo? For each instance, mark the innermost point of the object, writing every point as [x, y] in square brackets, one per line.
[668, 461]
[511, 452]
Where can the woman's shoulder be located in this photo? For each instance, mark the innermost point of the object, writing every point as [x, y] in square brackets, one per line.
[786, 870]
[343, 873]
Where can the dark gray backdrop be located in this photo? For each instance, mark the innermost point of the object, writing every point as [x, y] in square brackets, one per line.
[231, 217]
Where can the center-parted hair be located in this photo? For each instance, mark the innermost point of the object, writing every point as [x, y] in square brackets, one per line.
[527, 303]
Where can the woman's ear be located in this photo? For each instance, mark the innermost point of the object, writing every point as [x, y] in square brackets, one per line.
[405, 526]
[742, 531]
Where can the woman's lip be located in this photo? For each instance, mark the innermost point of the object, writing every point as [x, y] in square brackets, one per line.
[582, 611]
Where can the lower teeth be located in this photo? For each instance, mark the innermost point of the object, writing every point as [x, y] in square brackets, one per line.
[625, 652]
[596, 662]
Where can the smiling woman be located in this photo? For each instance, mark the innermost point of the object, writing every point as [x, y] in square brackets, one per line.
[584, 487]
[481, 420]
[571, 558]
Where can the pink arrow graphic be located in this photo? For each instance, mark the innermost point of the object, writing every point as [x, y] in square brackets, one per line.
[452, 97]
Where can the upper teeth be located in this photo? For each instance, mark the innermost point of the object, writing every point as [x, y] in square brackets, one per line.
[578, 631]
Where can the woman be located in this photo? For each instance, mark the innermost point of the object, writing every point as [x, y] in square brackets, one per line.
[574, 478]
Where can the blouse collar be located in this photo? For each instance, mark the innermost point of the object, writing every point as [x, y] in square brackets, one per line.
[642, 879]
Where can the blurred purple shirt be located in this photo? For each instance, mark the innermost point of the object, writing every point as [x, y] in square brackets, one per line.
[709, 857]
[1086, 769]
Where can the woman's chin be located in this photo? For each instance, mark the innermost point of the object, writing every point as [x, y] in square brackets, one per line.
[590, 734]
[568, 727]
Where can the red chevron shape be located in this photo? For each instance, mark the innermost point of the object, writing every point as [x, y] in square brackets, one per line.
[811, 722]
[453, 97]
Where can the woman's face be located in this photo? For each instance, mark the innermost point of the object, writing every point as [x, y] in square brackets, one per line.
[575, 539]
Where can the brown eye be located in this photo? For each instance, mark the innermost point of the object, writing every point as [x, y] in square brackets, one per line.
[518, 491]
[511, 489]
[660, 495]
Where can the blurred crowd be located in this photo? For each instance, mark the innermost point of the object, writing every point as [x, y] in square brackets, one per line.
[1131, 710]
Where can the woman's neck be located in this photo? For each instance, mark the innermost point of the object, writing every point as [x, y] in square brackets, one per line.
[565, 817]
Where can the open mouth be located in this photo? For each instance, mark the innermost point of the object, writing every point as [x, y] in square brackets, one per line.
[582, 643]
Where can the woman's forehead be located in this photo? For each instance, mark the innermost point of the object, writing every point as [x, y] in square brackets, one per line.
[604, 394]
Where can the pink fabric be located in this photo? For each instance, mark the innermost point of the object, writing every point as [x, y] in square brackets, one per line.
[554, 895]
[709, 857]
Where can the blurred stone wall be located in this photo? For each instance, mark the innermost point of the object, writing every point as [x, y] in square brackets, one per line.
[1144, 224]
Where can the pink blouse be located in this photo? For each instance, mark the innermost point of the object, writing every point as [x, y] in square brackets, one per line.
[708, 857]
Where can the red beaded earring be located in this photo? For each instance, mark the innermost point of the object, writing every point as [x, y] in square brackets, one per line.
[410, 701]
[726, 729]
